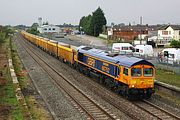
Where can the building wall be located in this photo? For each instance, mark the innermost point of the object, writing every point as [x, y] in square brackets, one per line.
[49, 29]
[129, 35]
[166, 34]
[169, 33]
[177, 34]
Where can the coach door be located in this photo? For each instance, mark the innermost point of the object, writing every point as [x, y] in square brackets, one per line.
[117, 72]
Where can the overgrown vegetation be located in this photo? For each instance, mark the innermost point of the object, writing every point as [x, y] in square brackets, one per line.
[93, 24]
[36, 110]
[5, 33]
[9, 106]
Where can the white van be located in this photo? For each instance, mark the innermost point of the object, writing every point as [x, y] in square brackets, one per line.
[122, 48]
[173, 55]
[143, 50]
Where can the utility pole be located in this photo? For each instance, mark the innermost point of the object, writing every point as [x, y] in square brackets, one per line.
[140, 30]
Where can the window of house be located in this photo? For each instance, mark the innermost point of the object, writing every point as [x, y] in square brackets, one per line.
[125, 71]
[45, 28]
[49, 28]
[179, 32]
[53, 29]
[164, 32]
[169, 32]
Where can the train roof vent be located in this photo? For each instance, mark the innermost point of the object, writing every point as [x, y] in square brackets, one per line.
[87, 48]
[112, 54]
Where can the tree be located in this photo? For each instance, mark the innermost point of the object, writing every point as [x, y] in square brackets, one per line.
[5, 32]
[34, 25]
[175, 44]
[33, 29]
[98, 20]
[93, 24]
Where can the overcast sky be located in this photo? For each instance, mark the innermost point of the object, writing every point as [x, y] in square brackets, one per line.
[26, 12]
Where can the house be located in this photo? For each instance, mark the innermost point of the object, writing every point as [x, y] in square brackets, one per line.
[48, 29]
[165, 34]
[129, 33]
[169, 32]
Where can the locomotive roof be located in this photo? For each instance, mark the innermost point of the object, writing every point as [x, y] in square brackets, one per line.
[118, 59]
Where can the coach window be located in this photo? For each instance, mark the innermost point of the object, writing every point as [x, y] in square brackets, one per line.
[136, 72]
[148, 72]
[125, 71]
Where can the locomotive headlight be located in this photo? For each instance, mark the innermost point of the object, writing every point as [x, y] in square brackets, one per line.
[132, 85]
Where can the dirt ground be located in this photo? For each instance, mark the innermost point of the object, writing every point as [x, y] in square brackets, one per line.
[4, 109]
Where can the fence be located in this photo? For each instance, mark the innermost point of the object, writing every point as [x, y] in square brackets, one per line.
[160, 62]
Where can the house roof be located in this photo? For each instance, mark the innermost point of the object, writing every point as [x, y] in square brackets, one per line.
[174, 27]
[137, 27]
[117, 59]
[46, 26]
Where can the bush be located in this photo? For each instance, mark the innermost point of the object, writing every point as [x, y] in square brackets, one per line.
[175, 44]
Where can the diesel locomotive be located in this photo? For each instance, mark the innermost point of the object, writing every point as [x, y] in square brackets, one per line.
[130, 76]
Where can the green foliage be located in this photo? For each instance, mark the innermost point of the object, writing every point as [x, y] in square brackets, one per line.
[168, 77]
[98, 20]
[34, 25]
[5, 32]
[93, 24]
[33, 29]
[2, 37]
[175, 44]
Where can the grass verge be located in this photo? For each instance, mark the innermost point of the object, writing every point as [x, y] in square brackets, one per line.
[9, 106]
[168, 77]
[35, 106]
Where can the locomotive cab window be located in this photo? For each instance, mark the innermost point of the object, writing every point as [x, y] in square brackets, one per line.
[125, 71]
[136, 72]
[148, 72]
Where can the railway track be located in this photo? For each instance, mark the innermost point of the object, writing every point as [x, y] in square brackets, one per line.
[156, 111]
[83, 101]
[151, 110]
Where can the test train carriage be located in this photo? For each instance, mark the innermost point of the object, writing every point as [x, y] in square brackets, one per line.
[129, 76]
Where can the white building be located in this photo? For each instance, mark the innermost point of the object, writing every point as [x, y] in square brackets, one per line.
[48, 29]
[169, 32]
